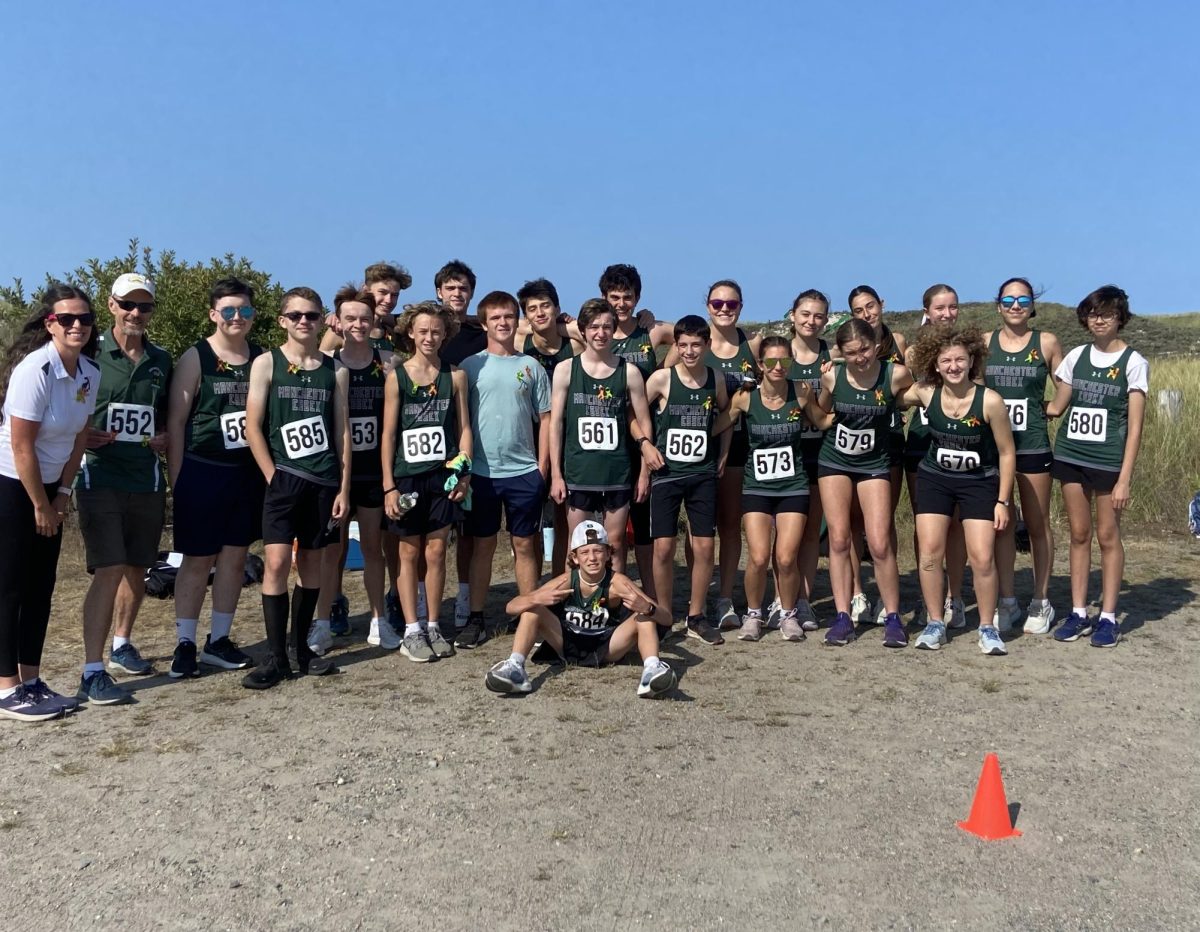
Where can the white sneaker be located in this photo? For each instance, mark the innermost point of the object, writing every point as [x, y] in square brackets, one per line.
[1006, 615]
[879, 613]
[462, 610]
[956, 615]
[990, 641]
[727, 618]
[774, 610]
[656, 681]
[860, 609]
[383, 635]
[320, 638]
[1040, 618]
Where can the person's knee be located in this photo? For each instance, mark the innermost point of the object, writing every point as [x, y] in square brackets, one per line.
[435, 549]
[931, 561]
[1109, 537]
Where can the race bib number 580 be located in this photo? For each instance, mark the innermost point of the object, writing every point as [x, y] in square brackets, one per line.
[1089, 425]
[304, 438]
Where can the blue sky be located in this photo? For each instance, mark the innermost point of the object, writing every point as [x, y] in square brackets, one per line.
[783, 144]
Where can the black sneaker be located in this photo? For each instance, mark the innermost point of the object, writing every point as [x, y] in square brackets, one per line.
[699, 628]
[223, 653]
[318, 666]
[472, 635]
[267, 674]
[339, 616]
[183, 664]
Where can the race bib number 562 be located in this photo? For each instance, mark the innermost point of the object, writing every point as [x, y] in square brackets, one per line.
[686, 446]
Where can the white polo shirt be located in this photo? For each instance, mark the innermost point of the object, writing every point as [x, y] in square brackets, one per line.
[41, 389]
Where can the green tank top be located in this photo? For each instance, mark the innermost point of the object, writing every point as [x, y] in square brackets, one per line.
[739, 364]
[683, 429]
[637, 349]
[595, 432]
[592, 615]
[1020, 379]
[216, 428]
[381, 343]
[1093, 428]
[548, 362]
[427, 435]
[859, 440]
[810, 437]
[774, 466]
[960, 446]
[366, 416]
[300, 420]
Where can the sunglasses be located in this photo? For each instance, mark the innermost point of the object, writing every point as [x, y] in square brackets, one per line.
[1024, 301]
[296, 316]
[142, 307]
[1101, 315]
[229, 313]
[782, 362]
[67, 321]
[718, 305]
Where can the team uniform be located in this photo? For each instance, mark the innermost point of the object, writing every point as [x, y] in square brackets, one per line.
[548, 362]
[733, 369]
[683, 435]
[427, 437]
[775, 481]
[121, 486]
[596, 456]
[381, 343]
[810, 437]
[859, 443]
[1020, 379]
[638, 348]
[218, 497]
[960, 468]
[365, 406]
[1090, 445]
[588, 622]
[889, 352]
[300, 428]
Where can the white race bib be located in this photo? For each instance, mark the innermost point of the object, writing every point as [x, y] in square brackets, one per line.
[1018, 413]
[854, 442]
[424, 444]
[233, 430]
[304, 438]
[924, 412]
[597, 433]
[363, 434]
[130, 423]
[686, 446]
[957, 460]
[1089, 425]
[774, 463]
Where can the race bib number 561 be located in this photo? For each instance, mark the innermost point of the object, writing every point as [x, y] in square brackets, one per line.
[598, 433]
[304, 438]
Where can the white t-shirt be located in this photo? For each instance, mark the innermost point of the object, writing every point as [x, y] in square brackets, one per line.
[1137, 372]
[40, 389]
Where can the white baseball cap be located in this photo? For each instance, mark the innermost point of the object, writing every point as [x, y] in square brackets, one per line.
[131, 281]
[588, 532]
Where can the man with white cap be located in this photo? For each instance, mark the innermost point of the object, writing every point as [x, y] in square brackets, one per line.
[576, 613]
[122, 486]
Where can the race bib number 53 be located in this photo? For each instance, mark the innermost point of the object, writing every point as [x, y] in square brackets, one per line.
[130, 423]
[1089, 425]
[304, 438]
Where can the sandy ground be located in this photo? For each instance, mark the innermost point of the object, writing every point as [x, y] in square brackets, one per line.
[782, 785]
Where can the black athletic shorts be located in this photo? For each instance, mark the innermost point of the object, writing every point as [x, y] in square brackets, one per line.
[639, 516]
[120, 528]
[1090, 477]
[298, 509]
[585, 650]
[1033, 463]
[739, 449]
[433, 510]
[366, 493]
[217, 506]
[975, 497]
[810, 470]
[698, 493]
[795, 503]
[883, 472]
[518, 498]
[599, 502]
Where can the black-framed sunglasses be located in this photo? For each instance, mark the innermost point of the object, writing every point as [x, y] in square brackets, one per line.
[296, 316]
[142, 307]
[1009, 300]
[67, 321]
[229, 313]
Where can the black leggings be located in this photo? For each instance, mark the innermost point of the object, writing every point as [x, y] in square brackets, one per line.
[28, 569]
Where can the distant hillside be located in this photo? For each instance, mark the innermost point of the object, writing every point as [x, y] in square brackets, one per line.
[1161, 335]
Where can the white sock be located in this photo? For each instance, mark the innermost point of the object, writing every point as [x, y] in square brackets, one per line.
[185, 629]
[754, 611]
[376, 622]
[222, 624]
[90, 668]
[518, 659]
[412, 629]
[651, 661]
[432, 627]
[1080, 611]
[119, 642]
[1108, 616]
[8, 691]
[32, 681]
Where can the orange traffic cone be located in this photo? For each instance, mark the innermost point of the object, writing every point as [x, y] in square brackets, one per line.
[989, 817]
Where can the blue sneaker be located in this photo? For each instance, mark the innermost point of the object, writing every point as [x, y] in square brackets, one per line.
[126, 659]
[339, 617]
[395, 617]
[894, 634]
[1106, 634]
[38, 691]
[933, 637]
[26, 706]
[1074, 628]
[99, 689]
[841, 632]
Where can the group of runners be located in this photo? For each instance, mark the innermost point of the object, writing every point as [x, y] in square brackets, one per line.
[421, 420]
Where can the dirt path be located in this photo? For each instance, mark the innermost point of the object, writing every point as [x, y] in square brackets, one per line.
[784, 785]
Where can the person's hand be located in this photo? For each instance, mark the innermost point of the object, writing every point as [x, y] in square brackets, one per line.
[158, 443]
[1120, 496]
[97, 438]
[460, 490]
[558, 490]
[548, 597]
[652, 456]
[391, 504]
[47, 519]
[341, 508]
[638, 602]
[1000, 515]
[645, 319]
[642, 488]
[331, 321]
[564, 318]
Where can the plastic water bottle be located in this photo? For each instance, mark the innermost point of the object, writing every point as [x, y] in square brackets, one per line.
[548, 544]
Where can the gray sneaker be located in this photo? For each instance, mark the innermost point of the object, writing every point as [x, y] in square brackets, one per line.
[727, 618]
[751, 627]
[990, 641]
[807, 617]
[99, 689]
[507, 677]
[933, 637]
[126, 659]
[1006, 616]
[790, 628]
[438, 644]
[416, 648]
[1040, 618]
[955, 615]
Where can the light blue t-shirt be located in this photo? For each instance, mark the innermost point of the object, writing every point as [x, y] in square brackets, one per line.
[508, 396]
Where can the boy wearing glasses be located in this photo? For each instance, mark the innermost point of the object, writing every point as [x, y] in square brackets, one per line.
[218, 488]
[121, 486]
[298, 430]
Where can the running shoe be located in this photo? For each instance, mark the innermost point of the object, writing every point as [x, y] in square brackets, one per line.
[774, 614]
[727, 618]
[26, 706]
[395, 617]
[807, 617]
[990, 641]
[320, 638]
[956, 615]
[879, 613]
[339, 616]
[860, 609]
[317, 666]
[751, 627]
[508, 676]
[99, 689]
[438, 644]
[126, 659]
[933, 637]
[416, 648]
[39, 691]
[1074, 628]
[657, 681]
[222, 653]
[841, 632]
[462, 611]
[920, 616]
[699, 628]
[383, 635]
[1106, 633]
[1006, 616]
[267, 674]
[1040, 617]
[183, 663]
[471, 636]
[790, 628]
[894, 634]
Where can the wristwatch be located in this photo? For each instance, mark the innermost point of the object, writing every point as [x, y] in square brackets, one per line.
[1005, 502]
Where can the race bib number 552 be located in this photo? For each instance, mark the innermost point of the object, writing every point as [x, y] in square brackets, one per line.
[130, 423]
[304, 438]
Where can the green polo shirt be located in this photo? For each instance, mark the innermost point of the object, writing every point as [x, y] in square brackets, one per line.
[132, 403]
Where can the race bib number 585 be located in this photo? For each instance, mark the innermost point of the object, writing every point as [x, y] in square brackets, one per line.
[304, 438]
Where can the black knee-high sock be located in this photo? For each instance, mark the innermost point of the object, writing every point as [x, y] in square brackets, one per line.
[304, 605]
[275, 614]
